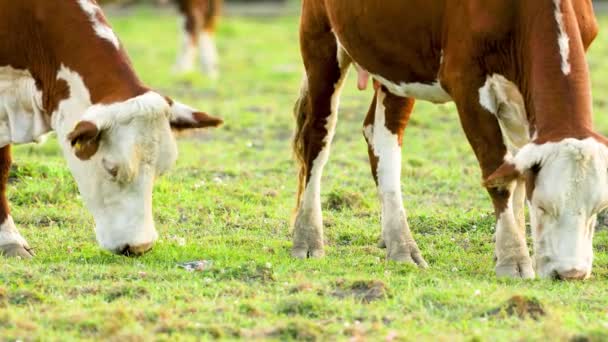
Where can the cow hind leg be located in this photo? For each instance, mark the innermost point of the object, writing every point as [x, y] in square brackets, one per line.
[193, 21]
[316, 114]
[208, 55]
[383, 131]
[12, 244]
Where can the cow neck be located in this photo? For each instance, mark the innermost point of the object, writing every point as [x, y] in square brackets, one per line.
[558, 94]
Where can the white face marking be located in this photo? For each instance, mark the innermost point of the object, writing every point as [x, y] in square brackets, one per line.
[9, 234]
[137, 139]
[427, 92]
[563, 40]
[208, 55]
[502, 98]
[570, 190]
[22, 119]
[101, 29]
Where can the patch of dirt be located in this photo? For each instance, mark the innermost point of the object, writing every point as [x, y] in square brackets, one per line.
[300, 307]
[304, 287]
[82, 291]
[595, 336]
[338, 201]
[298, 331]
[25, 298]
[3, 298]
[250, 310]
[520, 306]
[248, 272]
[125, 291]
[364, 290]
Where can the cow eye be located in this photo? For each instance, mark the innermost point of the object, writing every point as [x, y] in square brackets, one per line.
[110, 167]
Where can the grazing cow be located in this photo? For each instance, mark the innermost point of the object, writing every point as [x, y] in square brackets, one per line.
[200, 19]
[64, 69]
[518, 75]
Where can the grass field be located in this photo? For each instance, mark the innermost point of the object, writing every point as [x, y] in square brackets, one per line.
[229, 200]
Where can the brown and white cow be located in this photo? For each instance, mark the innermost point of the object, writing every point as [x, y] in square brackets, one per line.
[63, 69]
[200, 20]
[518, 75]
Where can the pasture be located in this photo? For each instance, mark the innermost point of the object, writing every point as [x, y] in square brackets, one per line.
[229, 201]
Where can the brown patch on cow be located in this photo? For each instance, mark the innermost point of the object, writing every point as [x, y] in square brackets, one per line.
[397, 112]
[5, 167]
[84, 139]
[519, 306]
[198, 120]
[530, 176]
[365, 291]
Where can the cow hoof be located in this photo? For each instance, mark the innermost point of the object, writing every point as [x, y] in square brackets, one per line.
[406, 253]
[305, 252]
[518, 270]
[381, 243]
[16, 251]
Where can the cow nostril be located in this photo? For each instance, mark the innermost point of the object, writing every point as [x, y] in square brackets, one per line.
[572, 274]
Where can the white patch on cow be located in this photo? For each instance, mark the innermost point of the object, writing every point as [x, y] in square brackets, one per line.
[137, 138]
[570, 190]
[100, 28]
[386, 148]
[22, 118]
[502, 98]
[563, 40]
[208, 54]
[428, 92]
[9, 234]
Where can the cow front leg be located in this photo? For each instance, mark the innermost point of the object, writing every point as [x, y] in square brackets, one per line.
[485, 136]
[511, 249]
[383, 130]
[12, 244]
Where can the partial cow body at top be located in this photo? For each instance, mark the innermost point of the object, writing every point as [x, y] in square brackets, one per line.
[63, 69]
[199, 22]
[518, 74]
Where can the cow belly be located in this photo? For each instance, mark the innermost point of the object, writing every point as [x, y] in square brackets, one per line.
[22, 119]
[433, 92]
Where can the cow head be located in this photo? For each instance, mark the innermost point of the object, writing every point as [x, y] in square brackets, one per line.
[115, 152]
[567, 185]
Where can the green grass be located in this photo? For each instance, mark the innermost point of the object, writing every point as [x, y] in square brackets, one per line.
[229, 200]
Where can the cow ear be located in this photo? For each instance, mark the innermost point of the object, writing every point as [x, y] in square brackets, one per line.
[503, 176]
[84, 138]
[183, 117]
